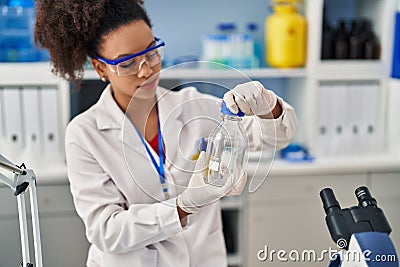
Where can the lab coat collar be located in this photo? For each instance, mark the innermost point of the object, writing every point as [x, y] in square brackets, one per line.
[108, 113]
[110, 116]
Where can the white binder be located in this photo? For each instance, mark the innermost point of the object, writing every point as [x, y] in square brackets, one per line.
[50, 122]
[13, 123]
[341, 125]
[393, 129]
[32, 153]
[323, 130]
[371, 129]
[356, 117]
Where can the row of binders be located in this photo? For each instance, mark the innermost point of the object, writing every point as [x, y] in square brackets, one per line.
[349, 120]
[30, 125]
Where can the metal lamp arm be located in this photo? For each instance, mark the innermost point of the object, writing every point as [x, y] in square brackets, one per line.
[24, 179]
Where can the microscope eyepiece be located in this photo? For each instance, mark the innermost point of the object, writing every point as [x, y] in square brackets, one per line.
[364, 197]
[328, 200]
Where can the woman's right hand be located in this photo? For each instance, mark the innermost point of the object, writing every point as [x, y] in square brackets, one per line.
[198, 193]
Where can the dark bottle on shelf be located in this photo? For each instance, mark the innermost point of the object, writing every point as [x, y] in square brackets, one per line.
[341, 44]
[327, 41]
[356, 43]
[371, 45]
[365, 29]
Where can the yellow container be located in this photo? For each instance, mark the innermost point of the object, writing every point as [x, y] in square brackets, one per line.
[285, 36]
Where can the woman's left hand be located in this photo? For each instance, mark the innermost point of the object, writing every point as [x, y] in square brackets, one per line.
[251, 98]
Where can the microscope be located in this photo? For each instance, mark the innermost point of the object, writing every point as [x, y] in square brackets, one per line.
[24, 179]
[361, 231]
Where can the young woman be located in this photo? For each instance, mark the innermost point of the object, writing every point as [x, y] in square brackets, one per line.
[129, 156]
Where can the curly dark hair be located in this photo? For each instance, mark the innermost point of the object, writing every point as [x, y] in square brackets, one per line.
[72, 30]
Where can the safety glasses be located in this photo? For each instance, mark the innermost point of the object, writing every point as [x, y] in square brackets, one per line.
[131, 64]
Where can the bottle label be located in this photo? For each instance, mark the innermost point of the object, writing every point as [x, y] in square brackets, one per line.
[226, 159]
[213, 165]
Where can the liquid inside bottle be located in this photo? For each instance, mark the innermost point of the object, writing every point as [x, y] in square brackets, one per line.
[226, 149]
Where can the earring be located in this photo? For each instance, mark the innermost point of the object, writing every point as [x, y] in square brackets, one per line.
[103, 79]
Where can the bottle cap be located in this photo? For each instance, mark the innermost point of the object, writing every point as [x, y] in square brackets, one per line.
[251, 26]
[228, 26]
[225, 110]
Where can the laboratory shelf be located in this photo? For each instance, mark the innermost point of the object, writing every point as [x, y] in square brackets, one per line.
[233, 73]
[335, 165]
[57, 173]
[27, 73]
[194, 73]
[351, 70]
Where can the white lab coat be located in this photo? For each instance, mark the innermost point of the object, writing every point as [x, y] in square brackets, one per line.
[117, 191]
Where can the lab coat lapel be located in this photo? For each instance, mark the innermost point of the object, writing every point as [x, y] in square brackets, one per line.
[111, 118]
[147, 178]
[171, 123]
[130, 137]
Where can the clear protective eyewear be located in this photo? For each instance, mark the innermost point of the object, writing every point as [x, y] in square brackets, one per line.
[131, 64]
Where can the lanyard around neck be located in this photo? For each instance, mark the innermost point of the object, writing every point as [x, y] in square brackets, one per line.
[159, 167]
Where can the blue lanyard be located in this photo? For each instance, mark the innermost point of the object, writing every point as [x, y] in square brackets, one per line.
[159, 167]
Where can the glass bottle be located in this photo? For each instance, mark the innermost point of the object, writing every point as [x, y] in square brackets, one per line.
[327, 41]
[355, 43]
[372, 48]
[226, 148]
[342, 42]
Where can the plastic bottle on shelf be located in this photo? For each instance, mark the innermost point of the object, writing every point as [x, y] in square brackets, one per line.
[241, 51]
[285, 35]
[212, 49]
[341, 44]
[226, 148]
[226, 31]
[254, 31]
[217, 47]
[21, 3]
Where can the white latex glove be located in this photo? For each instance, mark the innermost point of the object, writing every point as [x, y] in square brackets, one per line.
[198, 193]
[251, 98]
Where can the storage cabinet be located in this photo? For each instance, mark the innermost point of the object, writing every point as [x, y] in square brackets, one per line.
[233, 228]
[344, 72]
[62, 231]
[385, 188]
[286, 213]
[34, 111]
